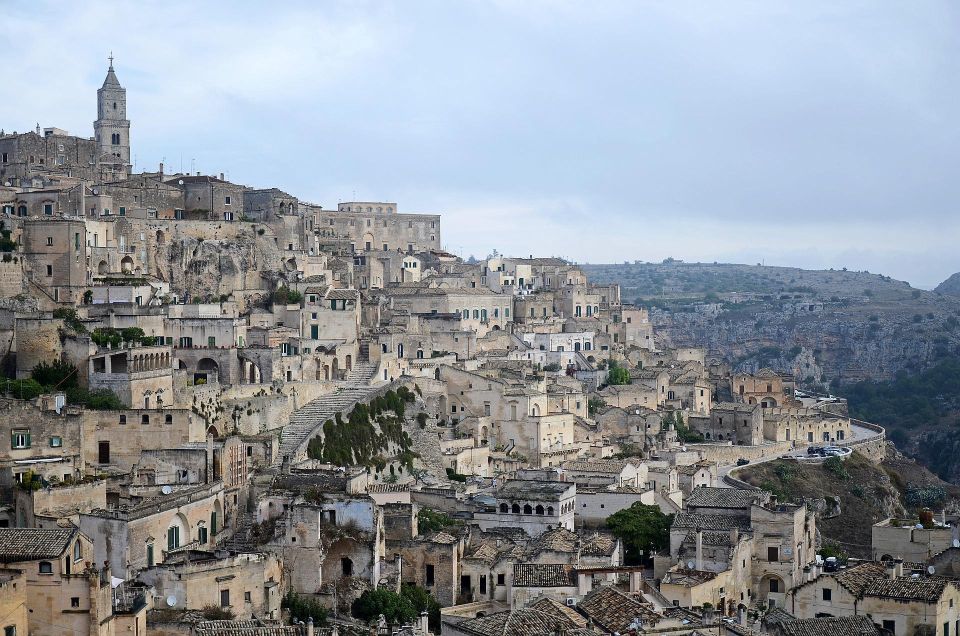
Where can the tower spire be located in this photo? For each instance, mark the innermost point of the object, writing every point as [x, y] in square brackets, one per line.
[111, 60]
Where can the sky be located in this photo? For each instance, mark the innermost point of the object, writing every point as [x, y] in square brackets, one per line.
[811, 134]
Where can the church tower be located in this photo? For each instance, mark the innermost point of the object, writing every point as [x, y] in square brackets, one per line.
[112, 128]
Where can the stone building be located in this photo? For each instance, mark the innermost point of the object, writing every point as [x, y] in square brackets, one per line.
[141, 534]
[374, 226]
[66, 593]
[535, 506]
[901, 602]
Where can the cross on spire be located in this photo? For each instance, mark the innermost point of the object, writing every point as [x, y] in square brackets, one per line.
[111, 59]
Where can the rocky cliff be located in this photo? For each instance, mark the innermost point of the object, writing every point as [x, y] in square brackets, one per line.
[951, 286]
[821, 325]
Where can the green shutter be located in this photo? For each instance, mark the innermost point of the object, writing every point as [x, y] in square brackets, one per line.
[213, 522]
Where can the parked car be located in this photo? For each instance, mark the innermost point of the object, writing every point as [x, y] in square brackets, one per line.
[814, 450]
[831, 564]
[743, 461]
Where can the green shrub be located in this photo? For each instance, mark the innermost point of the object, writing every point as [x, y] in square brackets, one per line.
[396, 609]
[303, 607]
[835, 466]
[58, 373]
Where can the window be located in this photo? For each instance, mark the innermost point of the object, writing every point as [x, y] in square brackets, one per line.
[429, 575]
[483, 584]
[224, 598]
[123, 419]
[75, 601]
[173, 537]
[49, 240]
[9, 630]
[827, 594]
[144, 419]
[773, 553]
[202, 534]
[211, 341]
[49, 270]
[226, 200]
[247, 597]
[775, 585]
[77, 551]
[20, 438]
[149, 555]
[501, 579]
[890, 626]
[46, 567]
[48, 209]
[56, 441]
[346, 566]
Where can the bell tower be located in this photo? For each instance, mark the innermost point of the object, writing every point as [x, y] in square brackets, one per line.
[112, 128]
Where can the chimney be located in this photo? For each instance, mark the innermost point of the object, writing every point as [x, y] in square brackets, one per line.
[807, 573]
[699, 549]
[221, 176]
[898, 567]
[310, 626]
[161, 169]
[734, 537]
[773, 501]
[707, 614]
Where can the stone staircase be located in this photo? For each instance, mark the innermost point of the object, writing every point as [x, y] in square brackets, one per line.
[357, 386]
[240, 540]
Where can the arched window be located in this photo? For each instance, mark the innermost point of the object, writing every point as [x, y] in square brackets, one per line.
[504, 508]
[516, 509]
[539, 509]
[77, 551]
[46, 567]
[527, 509]
[550, 510]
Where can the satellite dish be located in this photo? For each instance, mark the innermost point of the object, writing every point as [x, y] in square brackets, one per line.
[956, 543]
[166, 490]
[180, 182]
[171, 600]
[691, 565]
[931, 570]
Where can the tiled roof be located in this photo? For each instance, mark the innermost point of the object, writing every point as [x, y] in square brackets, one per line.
[543, 575]
[614, 611]
[709, 497]
[28, 544]
[598, 544]
[556, 540]
[556, 608]
[247, 628]
[710, 537]
[856, 578]
[847, 625]
[522, 622]
[907, 588]
[596, 466]
[534, 490]
[694, 520]
[688, 578]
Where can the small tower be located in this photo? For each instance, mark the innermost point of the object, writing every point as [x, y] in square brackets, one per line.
[112, 128]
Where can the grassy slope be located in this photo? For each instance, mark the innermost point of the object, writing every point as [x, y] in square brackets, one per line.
[868, 494]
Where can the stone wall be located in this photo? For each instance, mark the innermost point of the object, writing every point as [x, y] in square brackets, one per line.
[726, 454]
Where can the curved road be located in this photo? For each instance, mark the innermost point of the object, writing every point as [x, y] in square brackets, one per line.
[858, 434]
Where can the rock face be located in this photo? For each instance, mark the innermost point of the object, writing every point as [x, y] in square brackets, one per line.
[951, 286]
[821, 325]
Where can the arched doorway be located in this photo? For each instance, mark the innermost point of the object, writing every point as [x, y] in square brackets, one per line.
[348, 363]
[103, 268]
[772, 591]
[126, 265]
[334, 370]
[207, 370]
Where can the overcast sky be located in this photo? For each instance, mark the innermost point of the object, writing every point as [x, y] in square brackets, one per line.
[815, 134]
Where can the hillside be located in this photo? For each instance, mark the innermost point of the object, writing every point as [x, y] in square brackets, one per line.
[951, 286]
[852, 495]
[820, 325]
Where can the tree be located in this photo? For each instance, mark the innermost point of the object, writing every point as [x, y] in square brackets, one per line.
[423, 601]
[617, 374]
[640, 527]
[60, 374]
[395, 608]
[304, 607]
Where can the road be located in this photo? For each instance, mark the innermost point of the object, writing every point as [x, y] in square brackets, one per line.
[858, 433]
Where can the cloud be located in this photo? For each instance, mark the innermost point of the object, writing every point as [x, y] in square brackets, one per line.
[822, 132]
